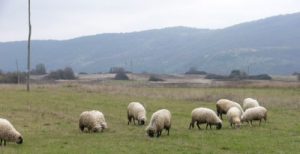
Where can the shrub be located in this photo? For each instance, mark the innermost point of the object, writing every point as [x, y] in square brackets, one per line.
[155, 78]
[121, 76]
[40, 69]
[194, 70]
[260, 77]
[215, 76]
[238, 74]
[66, 74]
[83, 73]
[12, 77]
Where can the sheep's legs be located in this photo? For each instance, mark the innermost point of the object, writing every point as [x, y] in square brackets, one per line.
[158, 133]
[129, 118]
[0, 142]
[4, 142]
[207, 125]
[198, 125]
[191, 125]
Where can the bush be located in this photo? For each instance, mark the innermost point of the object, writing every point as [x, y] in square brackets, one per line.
[238, 74]
[40, 69]
[121, 76]
[66, 74]
[260, 77]
[194, 70]
[83, 73]
[12, 77]
[215, 76]
[155, 78]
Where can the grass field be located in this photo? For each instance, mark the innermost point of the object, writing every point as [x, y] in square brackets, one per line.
[48, 119]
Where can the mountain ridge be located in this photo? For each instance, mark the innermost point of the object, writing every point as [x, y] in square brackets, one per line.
[268, 45]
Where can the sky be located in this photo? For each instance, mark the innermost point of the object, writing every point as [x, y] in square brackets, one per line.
[65, 19]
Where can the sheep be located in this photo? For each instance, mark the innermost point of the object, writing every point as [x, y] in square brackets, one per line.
[160, 120]
[136, 111]
[204, 115]
[255, 113]
[234, 116]
[249, 103]
[9, 133]
[93, 120]
[223, 105]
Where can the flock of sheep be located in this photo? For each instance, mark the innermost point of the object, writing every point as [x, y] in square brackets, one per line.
[94, 120]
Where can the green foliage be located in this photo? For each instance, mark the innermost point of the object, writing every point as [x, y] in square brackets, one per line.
[238, 75]
[121, 76]
[194, 70]
[12, 77]
[40, 69]
[65, 74]
[155, 78]
[47, 117]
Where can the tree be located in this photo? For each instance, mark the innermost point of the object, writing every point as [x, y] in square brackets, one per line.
[121, 76]
[238, 74]
[28, 48]
[194, 70]
[40, 69]
[68, 73]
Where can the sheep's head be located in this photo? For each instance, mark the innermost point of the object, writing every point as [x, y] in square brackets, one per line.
[97, 128]
[219, 125]
[104, 125]
[19, 140]
[151, 132]
[142, 121]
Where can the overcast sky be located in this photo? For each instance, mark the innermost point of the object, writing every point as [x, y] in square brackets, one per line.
[64, 19]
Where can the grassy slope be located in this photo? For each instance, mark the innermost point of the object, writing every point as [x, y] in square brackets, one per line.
[48, 119]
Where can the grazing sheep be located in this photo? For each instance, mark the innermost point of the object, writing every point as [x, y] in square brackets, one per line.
[9, 133]
[136, 111]
[223, 105]
[160, 120]
[205, 115]
[255, 113]
[93, 120]
[249, 103]
[234, 116]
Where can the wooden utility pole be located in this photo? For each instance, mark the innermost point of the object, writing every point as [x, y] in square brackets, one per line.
[28, 48]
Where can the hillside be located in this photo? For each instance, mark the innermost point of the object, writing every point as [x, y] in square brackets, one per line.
[268, 45]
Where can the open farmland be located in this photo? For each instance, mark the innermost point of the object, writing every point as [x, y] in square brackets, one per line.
[48, 118]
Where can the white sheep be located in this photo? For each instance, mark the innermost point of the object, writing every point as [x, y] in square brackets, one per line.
[93, 120]
[136, 111]
[9, 133]
[204, 115]
[223, 105]
[160, 120]
[249, 103]
[255, 113]
[234, 115]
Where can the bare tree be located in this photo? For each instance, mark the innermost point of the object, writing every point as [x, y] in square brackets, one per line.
[28, 48]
